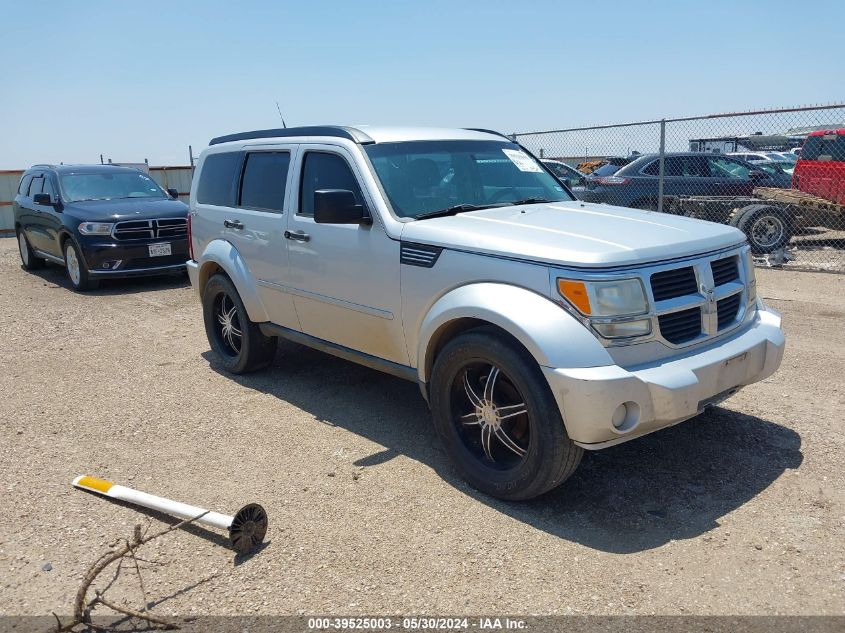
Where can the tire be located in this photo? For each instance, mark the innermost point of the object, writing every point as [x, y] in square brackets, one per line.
[76, 268]
[28, 260]
[502, 429]
[239, 343]
[767, 228]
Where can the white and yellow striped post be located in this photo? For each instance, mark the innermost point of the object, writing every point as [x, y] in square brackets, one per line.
[246, 529]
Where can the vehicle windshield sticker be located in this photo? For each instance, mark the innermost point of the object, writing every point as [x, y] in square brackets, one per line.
[522, 160]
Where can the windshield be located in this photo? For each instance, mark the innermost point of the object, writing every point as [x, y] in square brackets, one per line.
[421, 177]
[109, 186]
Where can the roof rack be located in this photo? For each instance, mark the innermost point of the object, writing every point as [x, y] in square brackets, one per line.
[337, 131]
[42, 166]
[486, 131]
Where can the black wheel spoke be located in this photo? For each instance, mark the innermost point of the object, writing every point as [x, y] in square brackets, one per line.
[496, 428]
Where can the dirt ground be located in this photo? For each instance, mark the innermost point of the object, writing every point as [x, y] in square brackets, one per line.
[741, 511]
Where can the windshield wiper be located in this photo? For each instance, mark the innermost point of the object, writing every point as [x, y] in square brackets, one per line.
[529, 201]
[453, 210]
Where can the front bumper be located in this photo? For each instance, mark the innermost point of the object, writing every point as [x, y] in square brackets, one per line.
[661, 394]
[108, 258]
[194, 275]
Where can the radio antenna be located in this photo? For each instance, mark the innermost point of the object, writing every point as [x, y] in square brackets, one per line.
[284, 125]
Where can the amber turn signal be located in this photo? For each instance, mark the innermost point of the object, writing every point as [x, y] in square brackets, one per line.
[576, 293]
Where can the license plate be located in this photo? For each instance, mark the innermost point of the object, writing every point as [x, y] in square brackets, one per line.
[159, 250]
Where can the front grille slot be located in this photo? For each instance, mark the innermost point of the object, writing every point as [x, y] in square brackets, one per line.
[724, 270]
[171, 227]
[682, 326]
[727, 309]
[162, 228]
[674, 283]
[134, 230]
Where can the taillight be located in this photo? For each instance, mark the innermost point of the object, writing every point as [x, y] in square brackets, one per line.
[190, 239]
[612, 180]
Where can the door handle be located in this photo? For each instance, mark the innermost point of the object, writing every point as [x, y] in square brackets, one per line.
[299, 236]
[233, 224]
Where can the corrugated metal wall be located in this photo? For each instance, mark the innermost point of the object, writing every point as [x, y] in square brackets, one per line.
[175, 177]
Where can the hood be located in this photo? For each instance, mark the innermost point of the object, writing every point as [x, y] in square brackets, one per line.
[126, 209]
[575, 233]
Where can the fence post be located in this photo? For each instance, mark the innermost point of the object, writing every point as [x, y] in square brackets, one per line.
[662, 165]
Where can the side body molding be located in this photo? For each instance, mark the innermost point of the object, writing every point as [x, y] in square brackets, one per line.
[552, 336]
[225, 255]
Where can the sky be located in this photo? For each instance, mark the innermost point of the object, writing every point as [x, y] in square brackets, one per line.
[135, 80]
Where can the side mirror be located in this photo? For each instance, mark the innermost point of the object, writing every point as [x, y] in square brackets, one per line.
[756, 174]
[42, 198]
[173, 193]
[338, 206]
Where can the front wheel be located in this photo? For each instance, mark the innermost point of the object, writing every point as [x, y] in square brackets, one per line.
[498, 419]
[76, 269]
[238, 342]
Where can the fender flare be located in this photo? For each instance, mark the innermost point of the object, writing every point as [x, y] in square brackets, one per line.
[226, 256]
[550, 334]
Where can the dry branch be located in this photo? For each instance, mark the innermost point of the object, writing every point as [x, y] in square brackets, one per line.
[82, 606]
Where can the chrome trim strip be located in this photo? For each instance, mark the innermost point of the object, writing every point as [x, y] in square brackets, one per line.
[138, 270]
[305, 294]
[52, 258]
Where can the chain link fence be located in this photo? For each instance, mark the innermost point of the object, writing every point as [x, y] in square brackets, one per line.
[777, 175]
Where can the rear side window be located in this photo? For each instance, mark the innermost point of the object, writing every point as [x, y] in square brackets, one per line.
[827, 147]
[324, 171]
[264, 180]
[35, 186]
[217, 179]
[23, 189]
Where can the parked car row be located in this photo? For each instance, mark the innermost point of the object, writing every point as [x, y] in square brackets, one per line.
[637, 184]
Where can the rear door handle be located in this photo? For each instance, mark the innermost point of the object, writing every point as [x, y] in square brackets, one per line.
[233, 224]
[299, 236]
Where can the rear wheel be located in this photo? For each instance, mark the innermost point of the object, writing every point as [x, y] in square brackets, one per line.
[28, 258]
[238, 342]
[76, 269]
[767, 228]
[498, 419]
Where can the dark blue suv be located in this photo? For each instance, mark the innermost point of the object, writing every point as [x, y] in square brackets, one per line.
[99, 221]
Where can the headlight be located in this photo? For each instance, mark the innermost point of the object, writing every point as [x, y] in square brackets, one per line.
[95, 228]
[624, 329]
[622, 297]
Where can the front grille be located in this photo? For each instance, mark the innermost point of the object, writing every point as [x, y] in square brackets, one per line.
[727, 309]
[161, 228]
[674, 283]
[724, 270]
[680, 327]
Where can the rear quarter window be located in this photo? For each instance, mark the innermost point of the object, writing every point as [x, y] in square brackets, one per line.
[825, 148]
[23, 188]
[217, 183]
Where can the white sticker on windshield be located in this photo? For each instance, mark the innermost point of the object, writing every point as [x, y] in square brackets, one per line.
[522, 160]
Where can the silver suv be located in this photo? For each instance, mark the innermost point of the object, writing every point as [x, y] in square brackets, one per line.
[535, 325]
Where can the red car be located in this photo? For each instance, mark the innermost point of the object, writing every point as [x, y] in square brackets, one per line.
[820, 170]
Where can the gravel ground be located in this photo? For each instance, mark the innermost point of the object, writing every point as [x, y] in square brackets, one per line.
[740, 511]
